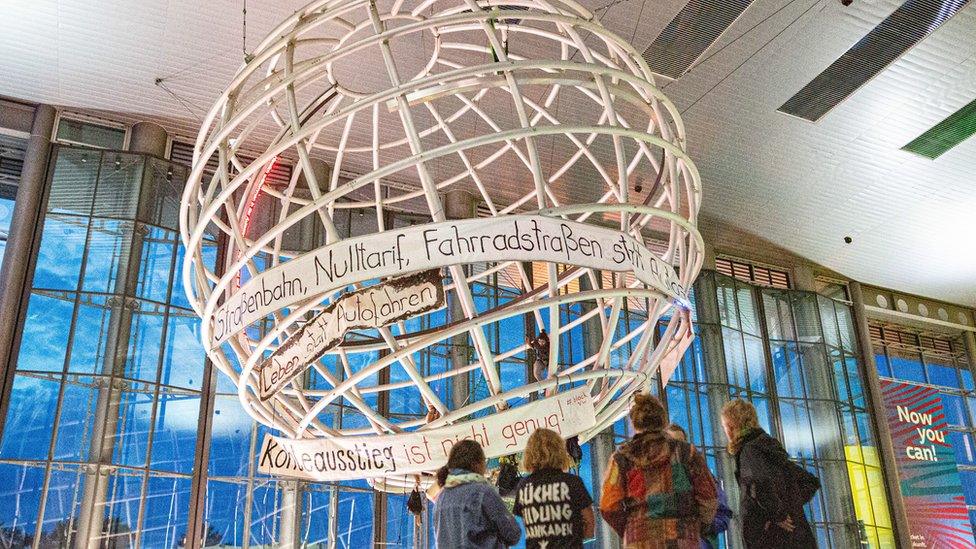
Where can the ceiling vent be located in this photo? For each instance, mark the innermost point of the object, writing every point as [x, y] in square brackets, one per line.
[12, 151]
[955, 129]
[690, 33]
[898, 33]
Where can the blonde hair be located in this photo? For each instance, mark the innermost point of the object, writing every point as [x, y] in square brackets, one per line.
[741, 417]
[546, 450]
[647, 413]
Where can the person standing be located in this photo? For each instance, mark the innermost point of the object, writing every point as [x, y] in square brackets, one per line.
[554, 505]
[657, 493]
[723, 515]
[772, 489]
[468, 512]
[540, 367]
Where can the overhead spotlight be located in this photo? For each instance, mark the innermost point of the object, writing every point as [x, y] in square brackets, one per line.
[118, 163]
[638, 188]
[846, 2]
[848, 240]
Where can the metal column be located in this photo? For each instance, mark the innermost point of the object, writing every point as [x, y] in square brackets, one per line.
[196, 525]
[146, 138]
[969, 338]
[601, 446]
[709, 324]
[149, 138]
[291, 513]
[459, 205]
[334, 517]
[878, 413]
[17, 261]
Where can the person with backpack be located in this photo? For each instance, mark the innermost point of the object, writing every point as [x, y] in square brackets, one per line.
[657, 492]
[468, 512]
[772, 488]
[554, 505]
[723, 515]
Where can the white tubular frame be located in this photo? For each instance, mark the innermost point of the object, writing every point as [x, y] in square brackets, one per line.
[494, 88]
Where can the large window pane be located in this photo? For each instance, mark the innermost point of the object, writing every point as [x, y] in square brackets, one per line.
[62, 251]
[73, 182]
[46, 331]
[32, 409]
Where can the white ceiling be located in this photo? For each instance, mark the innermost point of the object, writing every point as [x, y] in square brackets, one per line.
[803, 186]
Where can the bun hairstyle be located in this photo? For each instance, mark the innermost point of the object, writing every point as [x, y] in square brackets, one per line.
[647, 413]
[466, 454]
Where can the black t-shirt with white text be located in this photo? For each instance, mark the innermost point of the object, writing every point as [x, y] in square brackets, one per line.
[550, 503]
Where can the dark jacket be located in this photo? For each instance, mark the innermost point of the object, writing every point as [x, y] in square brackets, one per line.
[723, 516]
[766, 497]
[469, 514]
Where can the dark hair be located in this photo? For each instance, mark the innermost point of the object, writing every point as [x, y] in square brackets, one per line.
[647, 413]
[675, 428]
[466, 454]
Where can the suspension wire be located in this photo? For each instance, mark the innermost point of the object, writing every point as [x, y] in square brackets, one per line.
[703, 60]
[244, 33]
[747, 59]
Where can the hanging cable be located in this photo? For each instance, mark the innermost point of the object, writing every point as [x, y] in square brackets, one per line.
[747, 59]
[702, 60]
[247, 57]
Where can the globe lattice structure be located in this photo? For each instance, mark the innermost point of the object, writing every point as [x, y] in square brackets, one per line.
[531, 107]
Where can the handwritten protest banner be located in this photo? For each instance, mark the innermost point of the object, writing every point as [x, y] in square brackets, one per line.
[430, 246]
[371, 307]
[502, 433]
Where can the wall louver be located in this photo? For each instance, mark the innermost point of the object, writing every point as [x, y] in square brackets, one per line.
[12, 151]
[182, 153]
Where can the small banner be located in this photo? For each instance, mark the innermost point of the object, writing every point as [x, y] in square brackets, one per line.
[371, 307]
[361, 457]
[927, 471]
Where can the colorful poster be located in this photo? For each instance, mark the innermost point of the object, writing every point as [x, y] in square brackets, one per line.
[927, 472]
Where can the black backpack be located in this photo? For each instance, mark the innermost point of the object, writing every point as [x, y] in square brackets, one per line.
[805, 484]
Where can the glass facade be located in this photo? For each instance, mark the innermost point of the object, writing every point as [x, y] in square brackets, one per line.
[101, 419]
[794, 355]
[117, 428]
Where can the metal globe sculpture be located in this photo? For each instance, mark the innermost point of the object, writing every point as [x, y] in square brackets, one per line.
[576, 160]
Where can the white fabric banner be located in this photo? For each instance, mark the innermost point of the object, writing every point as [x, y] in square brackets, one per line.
[430, 246]
[360, 457]
[372, 307]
